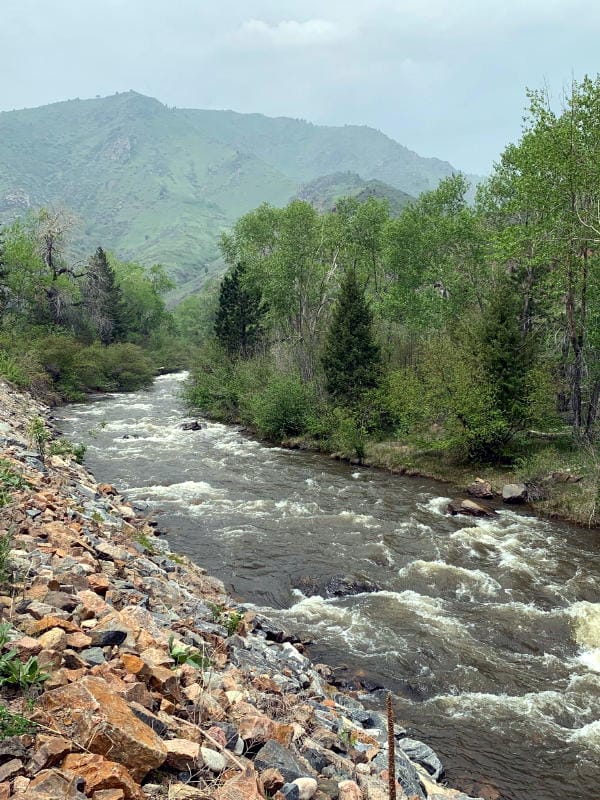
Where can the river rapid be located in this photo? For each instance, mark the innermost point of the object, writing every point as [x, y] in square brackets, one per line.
[487, 630]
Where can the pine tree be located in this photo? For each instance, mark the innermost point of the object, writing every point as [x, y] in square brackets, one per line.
[239, 315]
[104, 300]
[351, 359]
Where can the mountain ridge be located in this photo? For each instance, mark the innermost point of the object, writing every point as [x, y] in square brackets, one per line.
[159, 184]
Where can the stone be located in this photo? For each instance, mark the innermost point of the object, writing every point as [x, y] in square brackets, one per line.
[50, 750]
[10, 768]
[108, 634]
[98, 582]
[61, 600]
[155, 657]
[47, 622]
[343, 585]
[348, 790]
[271, 780]
[259, 728]
[469, 508]
[514, 493]
[101, 774]
[21, 784]
[109, 794]
[216, 762]
[242, 787]
[78, 641]
[191, 426]
[53, 784]
[182, 753]
[421, 753]
[290, 791]
[93, 656]
[91, 713]
[481, 489]
[26, 646]
[132, 663]
[307, 787]
[183, 791]
[54, 639]
[273, 756]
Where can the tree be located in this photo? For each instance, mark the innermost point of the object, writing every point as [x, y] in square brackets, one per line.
[351, 358]
[103, 299]
[239, 315]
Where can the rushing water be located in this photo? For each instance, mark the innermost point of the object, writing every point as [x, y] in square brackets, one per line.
[487, 630]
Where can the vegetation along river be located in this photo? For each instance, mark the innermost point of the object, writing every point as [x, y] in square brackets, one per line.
[488, 631]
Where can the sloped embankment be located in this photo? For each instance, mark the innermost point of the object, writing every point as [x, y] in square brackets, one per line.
[154, 684]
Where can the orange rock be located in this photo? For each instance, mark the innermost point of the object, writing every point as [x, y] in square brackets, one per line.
[133, 664]
[98, 582]
[26, 646]
[100, 774]
[271, 780]
[50, 750]
[182, 754]
[92, 605]
[242, 787]
[36, 627]
[109, 794]
[78, 641]
[348, 790]
[90, 713]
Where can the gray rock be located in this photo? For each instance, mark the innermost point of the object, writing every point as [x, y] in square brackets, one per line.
[273, 756]
[422, 754]
[93, 656]
[290, 791]
[343, 585]
[108, 635]
[514, 493]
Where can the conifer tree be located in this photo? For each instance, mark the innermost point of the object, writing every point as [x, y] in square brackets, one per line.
[351, 359]
[104, 300]
[239, 315]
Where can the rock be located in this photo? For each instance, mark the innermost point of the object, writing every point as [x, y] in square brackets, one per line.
[216, 762]
[273, 756]
[242, 787]
[306, 787]
[469, 508]
[108, 634]
[53, 784]
[481, 489]
[54, 639]
[181, 754]
[191, 426]
[100, 774]
[421, 753]
[90, 712]
[109, 794]
[565, 477]
[348, 790]
[93, 656]
[50, 751]
[11, 748]
[343, 585]
[514, 493]
[290, 791]
[259, 728]
[21, 784]
[183, 791]
[271, 781]
[10, 768]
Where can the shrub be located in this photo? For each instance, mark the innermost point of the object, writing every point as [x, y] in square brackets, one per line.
[12, 724]
[282, 408]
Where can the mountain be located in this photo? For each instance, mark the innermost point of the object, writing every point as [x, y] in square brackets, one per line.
[323, 192]
[160, 184]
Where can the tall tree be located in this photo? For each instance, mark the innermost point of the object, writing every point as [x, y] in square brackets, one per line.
[351, 358]
[103, 299]
[239, 315]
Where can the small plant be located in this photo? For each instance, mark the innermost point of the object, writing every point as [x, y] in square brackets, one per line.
[5, 571]
[39, 435]
[13, 724]
[10, 481]
[63, 447]
[182, 654]
[348, 736]
[14, 672]
[146, 542]
[230, 620]
[5, 633]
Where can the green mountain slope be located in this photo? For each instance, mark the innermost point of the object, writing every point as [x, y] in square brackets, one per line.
[160, 184]
[323, 192]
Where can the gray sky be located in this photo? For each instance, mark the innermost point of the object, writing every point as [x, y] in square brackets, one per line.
[444, 77]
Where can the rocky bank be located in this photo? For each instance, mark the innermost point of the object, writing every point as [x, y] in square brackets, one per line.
[155, 684]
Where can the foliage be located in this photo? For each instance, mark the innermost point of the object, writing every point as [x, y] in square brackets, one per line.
[238, 315]
[14, 672]
[12, 724]
[63, 447]
[182, 654]
[351, 358]
[5, 570]
[10, 481]
[39, 435]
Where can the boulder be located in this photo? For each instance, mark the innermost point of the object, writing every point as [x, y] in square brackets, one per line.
[421, 753]
[273, 756]
[242, 787]
[101, 774]
[469, 508]
[481, 489]
[191, 426]
[93, 715]
[182, 754]
[343, 585]
[514, 493]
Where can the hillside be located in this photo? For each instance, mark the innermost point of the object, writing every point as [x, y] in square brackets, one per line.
[323, 192]
[160, 184]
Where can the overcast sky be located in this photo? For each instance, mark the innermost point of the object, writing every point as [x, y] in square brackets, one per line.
[444, 77]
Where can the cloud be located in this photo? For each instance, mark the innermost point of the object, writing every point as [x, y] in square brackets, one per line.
[288, 33]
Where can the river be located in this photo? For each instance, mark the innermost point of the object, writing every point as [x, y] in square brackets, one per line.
[487, 630]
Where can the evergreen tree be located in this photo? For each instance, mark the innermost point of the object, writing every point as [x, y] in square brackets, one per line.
[103, 299]
[352, 359]
[239, 315]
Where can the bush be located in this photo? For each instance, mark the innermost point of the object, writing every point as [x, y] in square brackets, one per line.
[282, 408]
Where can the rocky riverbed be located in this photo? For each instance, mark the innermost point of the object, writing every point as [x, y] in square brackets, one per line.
[158, 685]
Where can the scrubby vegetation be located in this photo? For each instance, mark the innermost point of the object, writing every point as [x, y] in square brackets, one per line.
[69, 327]
[450, 335]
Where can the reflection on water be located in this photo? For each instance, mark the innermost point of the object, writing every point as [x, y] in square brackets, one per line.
[488, 630]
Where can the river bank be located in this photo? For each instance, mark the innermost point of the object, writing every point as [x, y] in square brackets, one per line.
[158, 685]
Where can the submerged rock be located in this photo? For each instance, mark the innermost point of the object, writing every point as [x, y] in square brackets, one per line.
[469, 508]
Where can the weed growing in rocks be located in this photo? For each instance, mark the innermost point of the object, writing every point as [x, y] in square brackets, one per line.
[39, 435]
[12, 724]
[182, 654]
[229, 619]
[13, 672]
[10, 481]
[63, 447]
[5, 570]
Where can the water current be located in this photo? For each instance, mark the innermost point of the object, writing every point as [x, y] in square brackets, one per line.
[487, 630]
